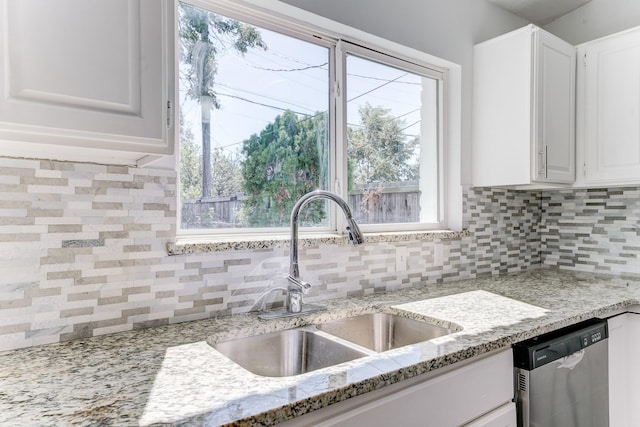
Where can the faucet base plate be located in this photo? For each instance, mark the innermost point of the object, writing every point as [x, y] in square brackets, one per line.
[275, 314]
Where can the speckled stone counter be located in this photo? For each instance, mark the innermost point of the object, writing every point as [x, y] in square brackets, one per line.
[171, 375]
[193, 247]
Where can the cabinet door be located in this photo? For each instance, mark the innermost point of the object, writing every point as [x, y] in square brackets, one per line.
[554, 138]
[523, 121]
[96, 75]
[448, 400]
[501, 119]
[611, 109]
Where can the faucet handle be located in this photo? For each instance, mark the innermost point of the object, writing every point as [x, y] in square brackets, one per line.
[294, 301]
[355, 235]
[298, 284]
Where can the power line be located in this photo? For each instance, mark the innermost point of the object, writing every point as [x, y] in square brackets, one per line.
[262, 96]
[412, 124]
[289, 69]
[384, 80]
[348, 124]
[376, 88]
[406, 114]
[311, 66]
[311, 76]
[288, 58]
[263, 104]
[310, 116]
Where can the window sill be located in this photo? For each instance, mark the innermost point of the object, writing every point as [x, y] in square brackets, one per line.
[260, 243]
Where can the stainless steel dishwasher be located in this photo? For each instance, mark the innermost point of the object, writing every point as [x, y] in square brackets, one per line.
[561, 378]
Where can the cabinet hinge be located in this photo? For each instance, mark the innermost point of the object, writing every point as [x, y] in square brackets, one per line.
[584, 59]
[168, 114]
[584, 169]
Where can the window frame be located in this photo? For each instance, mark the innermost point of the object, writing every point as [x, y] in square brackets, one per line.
[345, 48]
[269, 16]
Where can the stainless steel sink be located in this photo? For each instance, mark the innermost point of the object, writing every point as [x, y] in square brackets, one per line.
[286, 353]
[381, 331]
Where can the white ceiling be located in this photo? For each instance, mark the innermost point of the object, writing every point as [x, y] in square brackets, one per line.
[540, 12]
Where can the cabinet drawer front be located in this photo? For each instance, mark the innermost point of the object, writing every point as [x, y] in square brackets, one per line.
[504, 416]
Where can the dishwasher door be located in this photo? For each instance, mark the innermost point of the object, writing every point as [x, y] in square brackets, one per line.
[564, 380]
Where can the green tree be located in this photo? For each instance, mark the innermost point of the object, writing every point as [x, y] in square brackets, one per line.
[288, 159]
[190, 164]
[204, 37]
[378, 150]
[227, 175]
[282, 163]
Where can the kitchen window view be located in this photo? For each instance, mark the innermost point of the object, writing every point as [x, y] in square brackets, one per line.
[266, 117]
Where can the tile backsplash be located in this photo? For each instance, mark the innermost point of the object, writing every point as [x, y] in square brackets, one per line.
[595, 230]
[83, 251]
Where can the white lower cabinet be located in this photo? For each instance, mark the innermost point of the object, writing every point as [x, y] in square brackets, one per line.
[624, 369]
[504, 416]
[477, 393]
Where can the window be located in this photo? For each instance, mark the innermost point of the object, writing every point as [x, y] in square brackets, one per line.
[393, 130]
[270, 111]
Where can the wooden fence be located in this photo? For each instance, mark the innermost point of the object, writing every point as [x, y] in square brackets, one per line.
[374, 204]
[393, 203]
[212, 212]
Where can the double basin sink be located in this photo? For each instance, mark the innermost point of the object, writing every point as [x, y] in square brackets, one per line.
[296, 351]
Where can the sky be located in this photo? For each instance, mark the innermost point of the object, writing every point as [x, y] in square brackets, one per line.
[293, 74]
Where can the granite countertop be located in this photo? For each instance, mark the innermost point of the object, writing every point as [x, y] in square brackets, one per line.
[170, 375]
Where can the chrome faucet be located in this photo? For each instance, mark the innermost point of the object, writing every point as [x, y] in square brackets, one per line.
[297, 287]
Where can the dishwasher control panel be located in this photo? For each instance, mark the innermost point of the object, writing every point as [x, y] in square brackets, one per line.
[546, 348]
[592, 337]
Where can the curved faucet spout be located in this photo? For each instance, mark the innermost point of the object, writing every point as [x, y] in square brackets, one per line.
[296, 286]
[355, 235]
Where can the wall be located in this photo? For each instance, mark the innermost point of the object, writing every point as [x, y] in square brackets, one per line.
[83, 253]
[446, 29]
[596, 19]
[595, 230]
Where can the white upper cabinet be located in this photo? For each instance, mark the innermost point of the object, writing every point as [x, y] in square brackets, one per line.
[87, 80]
[608, 121]
[523, 110]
